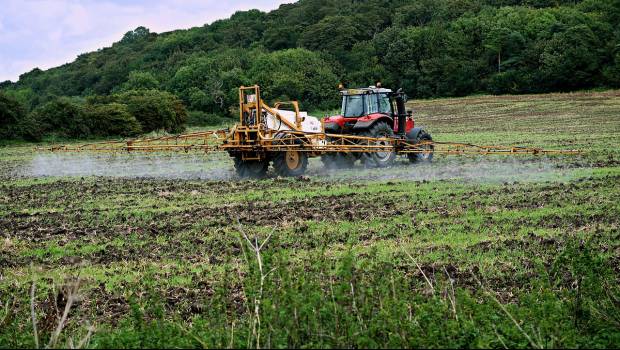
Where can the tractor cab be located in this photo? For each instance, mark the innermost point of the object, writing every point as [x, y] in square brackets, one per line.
[363, 107]
[361, 102]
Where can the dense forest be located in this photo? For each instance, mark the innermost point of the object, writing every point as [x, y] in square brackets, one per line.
[301, 51]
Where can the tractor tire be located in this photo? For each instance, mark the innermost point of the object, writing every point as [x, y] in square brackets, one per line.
[422, 157]
[379, 159]
[290, 163]
[251, 169]
[339, 160]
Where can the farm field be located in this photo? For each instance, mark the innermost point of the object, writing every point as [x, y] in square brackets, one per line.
[485, 251]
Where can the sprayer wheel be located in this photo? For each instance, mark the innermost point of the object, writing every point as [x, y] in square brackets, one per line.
[251, 169]
[422, 157]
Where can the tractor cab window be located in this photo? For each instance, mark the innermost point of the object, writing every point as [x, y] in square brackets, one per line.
[371, 104]
[384, 104]
[353, 106]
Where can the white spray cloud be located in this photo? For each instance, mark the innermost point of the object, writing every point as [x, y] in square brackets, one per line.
[170, 166]
[219, 167]
[467, 169]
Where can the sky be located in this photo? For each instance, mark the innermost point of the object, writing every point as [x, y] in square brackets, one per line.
[49, 33]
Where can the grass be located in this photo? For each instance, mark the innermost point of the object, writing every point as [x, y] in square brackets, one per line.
[467, 252]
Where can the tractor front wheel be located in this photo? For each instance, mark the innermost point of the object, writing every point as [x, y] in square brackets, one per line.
[290, 163]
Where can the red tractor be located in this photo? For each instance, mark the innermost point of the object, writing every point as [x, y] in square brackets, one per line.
[374, 112]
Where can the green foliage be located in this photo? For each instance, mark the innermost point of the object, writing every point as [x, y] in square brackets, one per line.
[63, 117]
[136, 34]
[296, 74]
[576, 51]
[419, 13]
[112, 119]
[30, 129]
[612, 73]
[368, 69]
[209, 82]
[140, 81]
[25, 96]
[369, 303]
[155, 110]
[334, 34]
[125, 114]
[11, 114]
[199, 118]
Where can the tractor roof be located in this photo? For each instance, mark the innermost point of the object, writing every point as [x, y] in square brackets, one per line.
[365, 90]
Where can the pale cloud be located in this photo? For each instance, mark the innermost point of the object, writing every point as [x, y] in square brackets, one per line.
[48, 33]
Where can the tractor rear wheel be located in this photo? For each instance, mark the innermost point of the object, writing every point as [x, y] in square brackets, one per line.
[426, 157]
[251, 169]
[379, 159]
[290, 163]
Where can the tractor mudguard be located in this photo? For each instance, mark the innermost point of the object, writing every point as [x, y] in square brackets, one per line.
[361, 125]
[414, 134]
[368, 121]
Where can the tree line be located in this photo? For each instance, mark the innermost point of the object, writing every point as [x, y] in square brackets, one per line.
[129, 113]
[301, 51]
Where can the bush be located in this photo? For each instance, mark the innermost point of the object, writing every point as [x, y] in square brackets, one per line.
[30, 129]
[199, 118]
[612, 73]
[155, 110]
[112, 119]
[510, 82]
[126, 114]
[11, 113]
[63, 117]
[140, 81]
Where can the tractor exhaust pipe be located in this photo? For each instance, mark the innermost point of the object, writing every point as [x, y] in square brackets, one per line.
[401, 112]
